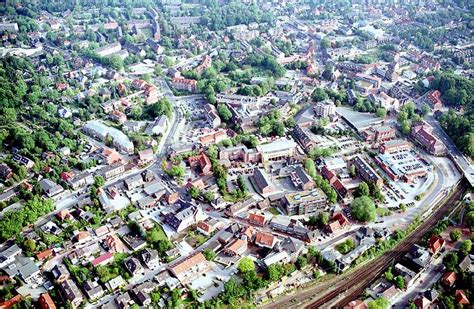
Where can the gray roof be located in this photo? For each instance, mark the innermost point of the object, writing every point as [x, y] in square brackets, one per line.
[305, 178]
[261, 179]
[23, 266]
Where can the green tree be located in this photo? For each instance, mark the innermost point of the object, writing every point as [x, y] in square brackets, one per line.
[225, 113]
[403, 207]
[400, 282]
[194, 192]
[301, 262]
[425, 109]
[363, 189]
[405, 126]
[451, 261]
[246, 264]
[30, 245]
[99, 181]
[455, 235]
[209, 254]
[363, 209]
[209, 196]
[379, 303]
[466, 247]
[381, 112]
[319, 95]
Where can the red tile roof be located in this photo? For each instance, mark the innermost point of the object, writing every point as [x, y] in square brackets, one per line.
[257, 219]
[44, 254]
[103, 259]
[461, 297]
[435, 244]
[264, 239]
[449, 278]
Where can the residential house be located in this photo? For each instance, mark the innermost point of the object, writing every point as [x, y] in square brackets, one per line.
[150, 258]
[93, 289]
[202, 162]
[184, 218]
[184, 84]
[133, 266]
[190, 267]
[301, 179]
[262, 181]
[60, 273]
[265, 240]
[46, 302]
[71, 292]
[236, 247]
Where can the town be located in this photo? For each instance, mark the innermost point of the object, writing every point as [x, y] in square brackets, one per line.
[236, 154]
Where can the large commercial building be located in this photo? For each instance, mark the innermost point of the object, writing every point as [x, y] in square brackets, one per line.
[422, 133]
[324, 109]
[97, 129]
[366, 172]
[277, 150]
[305, 202]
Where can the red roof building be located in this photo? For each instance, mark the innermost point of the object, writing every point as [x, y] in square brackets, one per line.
[184, 84]
[449, 278]
[44, 254]
[433, 98]
[435, 244]
[265, 240]
[202, 162]
[461, 297]
[46, 302]
[256, 219]
[103, 259]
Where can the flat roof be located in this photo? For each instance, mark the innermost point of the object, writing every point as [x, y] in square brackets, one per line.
[359, 121]
[277, 146]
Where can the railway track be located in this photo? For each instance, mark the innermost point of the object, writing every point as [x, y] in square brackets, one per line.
[356, 283]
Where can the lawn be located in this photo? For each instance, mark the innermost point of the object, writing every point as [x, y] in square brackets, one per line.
[382, 212]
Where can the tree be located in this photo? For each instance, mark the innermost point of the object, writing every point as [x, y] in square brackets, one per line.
[389, 275]
[301, 262]
[466, 247]
[470, 220]
[363, 209]
[99, 181]
[381, 112]
[403, 207]
[225, 112]
[246, 264]
[325, 43]
[209, 196]
[209, 254]
[425, 109]
[30, 245]
[451, 261]
[319, 95]
[455, 235]
[379, 303]
[363, 189]
[405, 126]
[400, 282]
[194, 192]
[273, 272]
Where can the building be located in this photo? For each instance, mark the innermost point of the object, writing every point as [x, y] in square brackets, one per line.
[366, 172]
[71, 292]
[112, 171]
[184, 218]
[50, 188]
[278, 150]
[97, 129]
[133, 182]
[257, 219]
[46, 302]
[301, 180]
[236, 247]
[202, 163]
[133, 266]
[212, 116]
[108, 49]
[184, 84]
[324, 109]
[262, 182]
[265, 240]
[394, 146]
[80, 181]
[379, 134]
[305, 202]
[190, 267]
[9, 27]
[422, 133]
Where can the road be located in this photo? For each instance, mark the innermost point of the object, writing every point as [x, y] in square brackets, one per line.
[353, 285]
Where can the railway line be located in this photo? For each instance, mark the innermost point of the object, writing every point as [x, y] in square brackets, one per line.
[353, 286]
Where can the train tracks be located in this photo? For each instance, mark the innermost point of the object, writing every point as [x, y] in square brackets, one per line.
[354, 285]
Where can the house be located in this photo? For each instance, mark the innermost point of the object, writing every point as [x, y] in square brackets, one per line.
[112, 171]
[292, 246]
[158, 126]
[5, 172]
[257, 219]
[118, 116]
[110, 156]
[133, 182]
[145, 156]
[366, 172]
[435, 244]
[150, 258]
[202, 162]
[208, 226]
[236, 247]
[22, 160]
[212, 116]
[80, 181]
[115, 283]
[133, 266]
[265, 240]
[449, 278]
[103, 259]
[337, 222]
[24, 268]
[190, 267]
[71, 292]
[214, 137]
[82, 237]
[50, 188]
[184, 84]
[45, 254]
[46, 302]
[356, 304]
[301, 179]
[421, 302]
[108, 50]
[262, 182]
[422, 133]
[184, 218]
[467, 264]
[433, 98]
[461, 297]
[60, 273]
[93, 289]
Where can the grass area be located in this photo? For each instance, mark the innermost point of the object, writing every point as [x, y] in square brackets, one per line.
[382, 212]
[195, 239]
[345, 247]
[274, 211]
